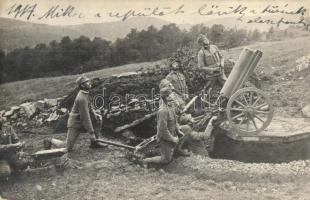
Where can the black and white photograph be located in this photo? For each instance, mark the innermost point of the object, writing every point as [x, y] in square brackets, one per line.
[154, 99]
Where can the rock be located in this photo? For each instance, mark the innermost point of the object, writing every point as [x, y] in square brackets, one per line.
[51, 102]
[8, 113]
[40, 104]
[128, 134]
[29, 108]
[52, 117]
[306, 111]
[63, 110]
[12, 111]
[14, 116]
[302, 66]
[15, 108]
[39, 187]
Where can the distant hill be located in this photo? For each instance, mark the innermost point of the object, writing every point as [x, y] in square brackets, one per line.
[17, 34]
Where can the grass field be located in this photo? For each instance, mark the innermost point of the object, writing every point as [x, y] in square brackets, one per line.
[52, 87]
[278, 57]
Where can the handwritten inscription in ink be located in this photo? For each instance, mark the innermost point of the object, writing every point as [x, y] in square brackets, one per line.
[286, 14]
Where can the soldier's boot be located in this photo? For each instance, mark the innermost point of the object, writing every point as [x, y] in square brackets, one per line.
[97, 145]
[52, 142]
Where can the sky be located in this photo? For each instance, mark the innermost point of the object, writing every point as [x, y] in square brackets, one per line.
[90, 10]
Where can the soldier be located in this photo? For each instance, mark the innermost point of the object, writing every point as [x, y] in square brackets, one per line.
[194, 141]
[80, 117]
[210, 59]
[174, 100]
[177, 79]
[9, 149]
[166, 129]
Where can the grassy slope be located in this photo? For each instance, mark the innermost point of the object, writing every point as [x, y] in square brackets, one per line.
[34, 89]
[289, 93]
[278, 57]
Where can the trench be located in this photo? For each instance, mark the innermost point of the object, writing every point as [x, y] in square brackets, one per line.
[286, 140]
[270, 150]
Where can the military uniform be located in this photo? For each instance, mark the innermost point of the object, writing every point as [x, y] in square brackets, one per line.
[177, 79]
[7, 137]
[79, 118]
[209, 57]
[166, 134]
[212, 58]
[194, 141]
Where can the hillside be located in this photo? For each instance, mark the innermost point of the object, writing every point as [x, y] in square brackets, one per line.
[278, 58]
[33, 89]
[12, 37]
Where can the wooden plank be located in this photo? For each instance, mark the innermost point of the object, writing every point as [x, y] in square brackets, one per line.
[50, 153]
[134, 123]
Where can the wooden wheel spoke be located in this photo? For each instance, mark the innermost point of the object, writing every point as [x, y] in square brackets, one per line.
[241, 121]
[246, 102]
[239, 115]
[251, 98]
[238, 109]
[241, 104]
[262, 105]
[254, 123]
[261, 112]
[260, 119]
[247, 125]
[256, 101]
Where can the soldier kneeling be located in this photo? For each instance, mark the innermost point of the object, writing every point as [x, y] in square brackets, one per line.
[195, 142]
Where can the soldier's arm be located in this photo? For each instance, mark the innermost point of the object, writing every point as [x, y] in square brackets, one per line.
[163, 126]
[220, 56]
[185, 86]
[85, 115]
[200, 56]
[206, 134]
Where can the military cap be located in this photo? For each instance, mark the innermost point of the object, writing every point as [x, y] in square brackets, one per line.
[82, 79]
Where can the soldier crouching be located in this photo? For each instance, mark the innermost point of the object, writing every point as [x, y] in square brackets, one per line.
[10, 159]
[166, 130]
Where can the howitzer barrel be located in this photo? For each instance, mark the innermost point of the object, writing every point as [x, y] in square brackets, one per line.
[241, 71]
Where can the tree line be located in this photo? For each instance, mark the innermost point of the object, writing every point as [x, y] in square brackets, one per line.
[73, 56]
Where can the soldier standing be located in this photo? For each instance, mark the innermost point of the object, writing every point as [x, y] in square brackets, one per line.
[177, 79]
[210, 59]
[80, 118]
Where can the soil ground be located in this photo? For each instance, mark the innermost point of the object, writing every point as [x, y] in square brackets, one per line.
[108, 174]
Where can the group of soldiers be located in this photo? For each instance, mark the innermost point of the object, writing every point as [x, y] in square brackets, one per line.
[173, 124]
[172, 121]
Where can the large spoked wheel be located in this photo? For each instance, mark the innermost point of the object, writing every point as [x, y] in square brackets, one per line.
[249, 111]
